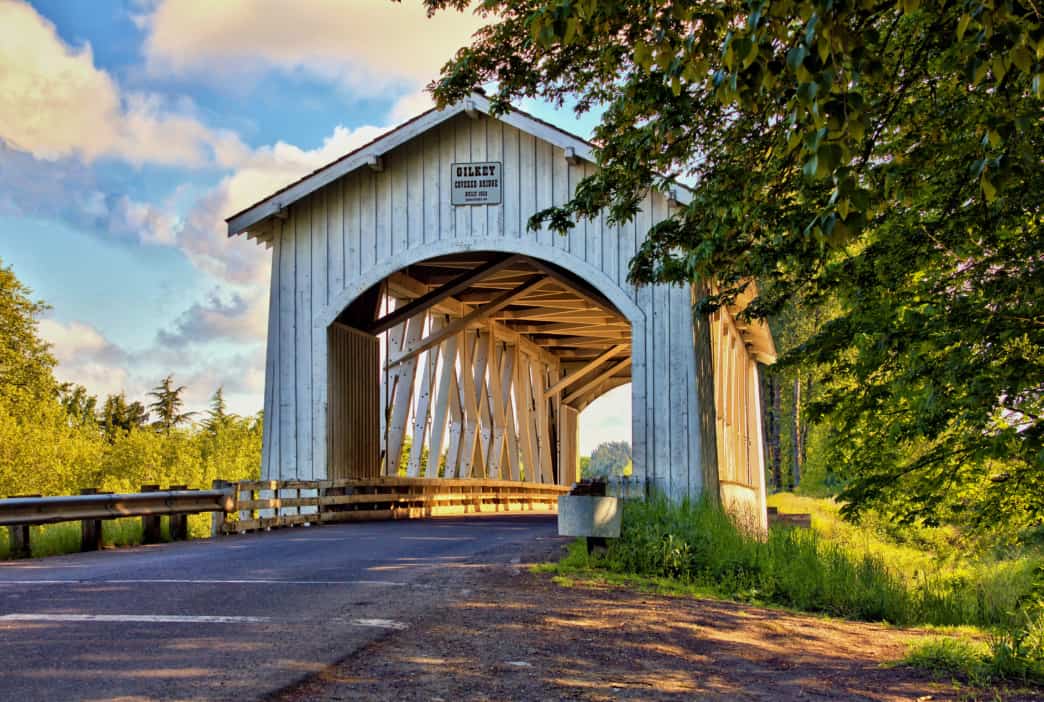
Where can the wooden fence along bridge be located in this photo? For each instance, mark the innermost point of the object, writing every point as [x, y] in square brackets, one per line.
[428, 354]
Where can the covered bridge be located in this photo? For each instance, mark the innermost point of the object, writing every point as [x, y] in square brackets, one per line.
[417, 327]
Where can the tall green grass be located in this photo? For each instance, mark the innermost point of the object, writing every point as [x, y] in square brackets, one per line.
[696, 543]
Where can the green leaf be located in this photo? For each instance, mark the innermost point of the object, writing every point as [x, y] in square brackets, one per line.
[962, 25]
[829, 157]
[643, 55]
[570, 31]
[811, 167]
[795, 57]
[1022, 58]
[810, 29]
[988, 188]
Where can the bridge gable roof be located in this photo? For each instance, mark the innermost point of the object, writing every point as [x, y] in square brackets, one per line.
[365, 155]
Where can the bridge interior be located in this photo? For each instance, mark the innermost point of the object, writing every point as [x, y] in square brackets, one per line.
[477, 365]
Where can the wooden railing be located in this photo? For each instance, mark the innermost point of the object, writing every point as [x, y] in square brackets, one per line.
[264, 504]
[793, 519]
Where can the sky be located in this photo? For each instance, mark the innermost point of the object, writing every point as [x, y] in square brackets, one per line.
[130, 129]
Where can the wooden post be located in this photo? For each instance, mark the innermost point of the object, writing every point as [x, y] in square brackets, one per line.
[18, 537]
[178, 522]
[217, 519]
[90, 529]
[151, 533]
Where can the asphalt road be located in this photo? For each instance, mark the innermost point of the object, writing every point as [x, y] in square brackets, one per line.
[236, 618]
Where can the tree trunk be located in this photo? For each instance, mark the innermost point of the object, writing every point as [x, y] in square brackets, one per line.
[797, 447]
[777, 453]
[772, 430]
[804, 425]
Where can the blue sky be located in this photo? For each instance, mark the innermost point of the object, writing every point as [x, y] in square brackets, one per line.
[129, 130]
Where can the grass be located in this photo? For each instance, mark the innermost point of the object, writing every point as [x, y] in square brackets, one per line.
[1015, 654]
[58, 539]
[870, 572]
[950, 657]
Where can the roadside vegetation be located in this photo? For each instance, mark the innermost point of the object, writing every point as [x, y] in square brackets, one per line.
[57, 438]
[990, 603]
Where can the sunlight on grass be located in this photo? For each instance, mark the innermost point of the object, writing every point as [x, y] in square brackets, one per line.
[818, 570]
[871, 571]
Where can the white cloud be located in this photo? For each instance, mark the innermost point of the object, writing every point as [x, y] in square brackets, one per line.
[85, 356]
[238, 318]
[55, 103]
[203, 234]
[606, 419]
[366, 45]
[410, 105]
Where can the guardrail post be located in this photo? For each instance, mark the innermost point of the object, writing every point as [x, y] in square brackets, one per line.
[151, 532]
[178, 523]
[90, 529]
[18, 537]
[217, 519]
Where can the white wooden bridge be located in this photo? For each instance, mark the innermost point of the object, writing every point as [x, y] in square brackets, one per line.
[418, 328]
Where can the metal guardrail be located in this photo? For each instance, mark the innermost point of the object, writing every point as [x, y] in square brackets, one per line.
[71, 508]
[263, 504]
[90, 508]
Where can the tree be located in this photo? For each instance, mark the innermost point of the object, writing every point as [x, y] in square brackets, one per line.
[885, 155]
[608, 459]
[78, 403]
[26, 363]
[120, 417]
[167, 405]
[218, 417]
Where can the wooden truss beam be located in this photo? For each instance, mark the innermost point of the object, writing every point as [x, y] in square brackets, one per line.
[584, 370]
[591, 296]
[578, 329]
[475, 315]
[551, 314]
[609, 337]
[458, 284]
[598, 380]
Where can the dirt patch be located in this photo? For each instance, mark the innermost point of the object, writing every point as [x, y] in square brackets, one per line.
[508, 634]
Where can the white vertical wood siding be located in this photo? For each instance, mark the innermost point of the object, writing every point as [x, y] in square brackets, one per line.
[354, 232]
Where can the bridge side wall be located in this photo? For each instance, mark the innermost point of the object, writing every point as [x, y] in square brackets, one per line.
[356, 231]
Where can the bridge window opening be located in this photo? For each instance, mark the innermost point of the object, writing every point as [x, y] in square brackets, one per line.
[605, 433]
[479, 365]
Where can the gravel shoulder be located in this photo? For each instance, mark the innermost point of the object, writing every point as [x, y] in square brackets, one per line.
[505, 633]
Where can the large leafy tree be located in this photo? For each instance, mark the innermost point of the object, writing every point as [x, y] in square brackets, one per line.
[25, 359]
[884, 155]
[609, 459]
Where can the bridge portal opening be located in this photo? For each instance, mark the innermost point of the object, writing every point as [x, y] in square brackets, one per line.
[472, 365]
